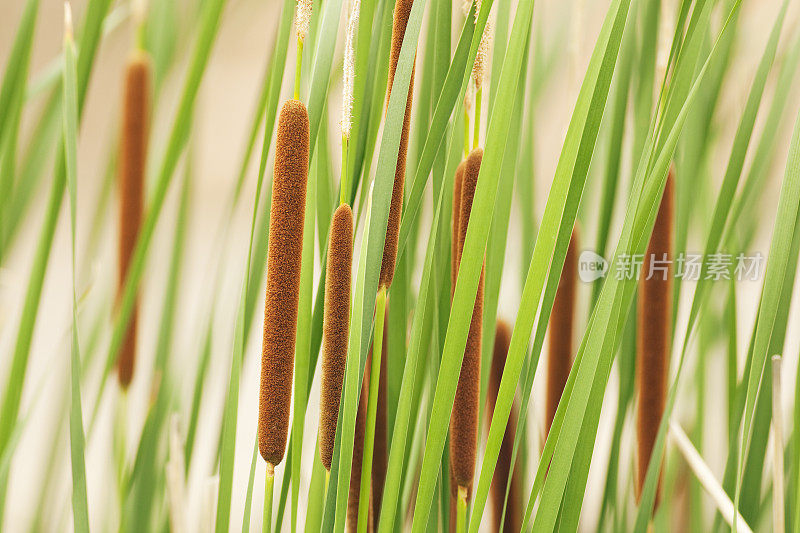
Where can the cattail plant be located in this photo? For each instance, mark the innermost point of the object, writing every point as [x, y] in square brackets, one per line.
[653, 343]
[284, 260]
[513, 513]
[283, 279]
[402, 10]
[559, 353]
[464, 417]
[133, 157]
[336, 325]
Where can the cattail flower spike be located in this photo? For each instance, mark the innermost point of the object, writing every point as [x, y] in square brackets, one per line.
[479, 71]
[348, 81]
[302, 20]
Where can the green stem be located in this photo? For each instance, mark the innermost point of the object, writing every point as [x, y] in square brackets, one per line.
[477, 135]
[372, 411]
[461, 511]
[266, 525]
[466, 132]
[298, 69]
[344, 189]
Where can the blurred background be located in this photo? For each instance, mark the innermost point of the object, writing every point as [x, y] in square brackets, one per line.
[40, 475]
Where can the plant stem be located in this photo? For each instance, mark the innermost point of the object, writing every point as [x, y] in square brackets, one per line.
[372, 411]
[266, 525]
[477, 134]
[344, 189]
[466, 132]
[461, 510]
[298, 69]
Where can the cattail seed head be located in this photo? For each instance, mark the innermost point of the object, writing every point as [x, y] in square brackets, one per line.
[513, 516]
[402, 10]
[302, 18]
[654, 314]
[133, 159]
[283, 279]
[336, 326]
[464, 417]
[559, 352]
[455, 255]
[348, 69]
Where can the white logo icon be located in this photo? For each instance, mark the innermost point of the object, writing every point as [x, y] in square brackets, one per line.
[591, 266]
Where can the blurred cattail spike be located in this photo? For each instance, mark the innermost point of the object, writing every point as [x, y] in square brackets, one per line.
[559, 353]
[653, 343]
[302, 20]
[133, 157]
[513, 513]
[283, 279]
[464, 416]
[336, 326]
[402, 10]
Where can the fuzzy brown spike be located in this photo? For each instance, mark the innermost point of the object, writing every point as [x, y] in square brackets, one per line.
[283, 279]
[464, 417]
[336, 327]
[654, 314]
[353, 497]
[402, 10]
[133, 157]
[513, 517]
[559, 352]
[455, 255]
[380, 457]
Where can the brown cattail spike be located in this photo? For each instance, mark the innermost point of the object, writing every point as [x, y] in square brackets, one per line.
[654, 313]
[402, 10]
[464, 417]
[283, 279]
[336, 326]
[513, 516]
[559, 353]
[133, 157]
[455, 255]
[354, 495]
